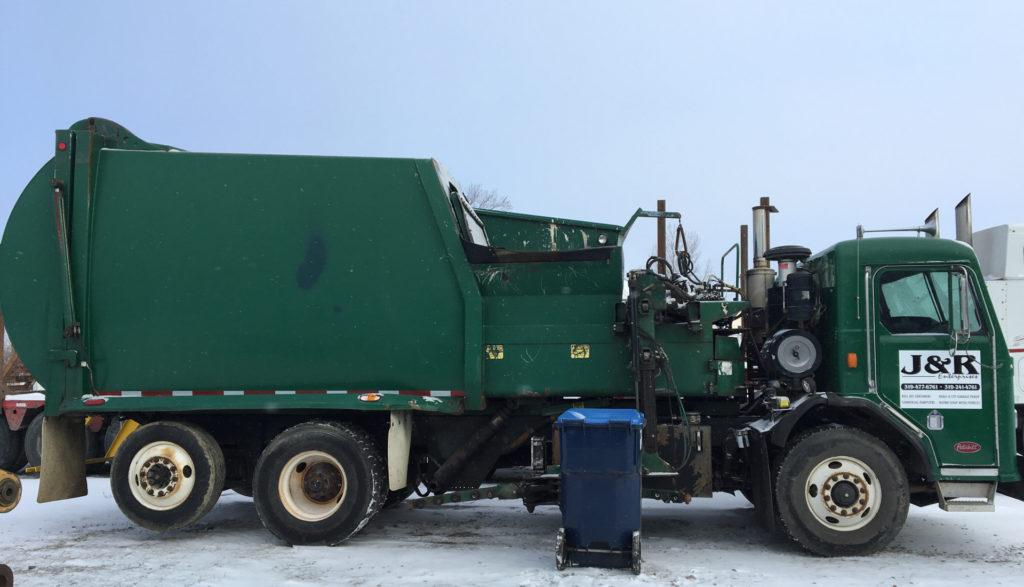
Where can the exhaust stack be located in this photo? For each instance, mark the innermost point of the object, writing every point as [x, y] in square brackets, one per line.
[761, 277]
[964, 229]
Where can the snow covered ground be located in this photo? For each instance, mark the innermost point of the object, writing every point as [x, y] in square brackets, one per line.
[87, 541]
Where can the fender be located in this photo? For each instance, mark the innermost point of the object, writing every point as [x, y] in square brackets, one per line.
[777, 431]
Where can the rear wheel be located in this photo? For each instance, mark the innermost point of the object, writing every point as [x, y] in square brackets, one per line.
[319, 483]
[34, 445]
[167, 475]
[34, 441]
[841, 492]
[12, 453]
[110, 434]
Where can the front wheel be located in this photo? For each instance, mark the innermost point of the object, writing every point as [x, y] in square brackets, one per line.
[841, 492]
[167, 475]
[319, 483]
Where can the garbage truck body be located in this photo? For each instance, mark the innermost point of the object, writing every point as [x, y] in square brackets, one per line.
[331, 334]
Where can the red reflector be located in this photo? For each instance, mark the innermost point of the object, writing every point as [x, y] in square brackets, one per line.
[62, 146]
[95, 402]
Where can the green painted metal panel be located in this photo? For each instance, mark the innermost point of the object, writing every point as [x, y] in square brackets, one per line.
[212, 272]
[703, 363]
[263, 272]
[966, 416]
[850, 324]
[276, 403]
[524, 232]
[553, 324]
[29, 284]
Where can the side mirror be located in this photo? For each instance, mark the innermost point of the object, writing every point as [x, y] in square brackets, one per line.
[962, 328]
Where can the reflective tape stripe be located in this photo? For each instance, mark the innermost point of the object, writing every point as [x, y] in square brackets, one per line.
[249, 392]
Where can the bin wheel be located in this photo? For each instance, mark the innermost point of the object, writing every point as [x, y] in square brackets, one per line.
[561, 558]
[167, 475]
[319, 483]
[636, 560]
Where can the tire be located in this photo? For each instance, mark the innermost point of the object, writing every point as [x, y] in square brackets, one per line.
[34, 441]
[319, 483]
[841, 492]
[34, 445]
[748, 494]
[94, 450]
[110, 434]
[12, 453]
[167, 475]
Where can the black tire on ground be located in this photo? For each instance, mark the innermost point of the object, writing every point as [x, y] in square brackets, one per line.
[111, 434]
[167, 475]
[34, 441]
[841, 492]
[12, 453]
[1020, 430]
[93, 450]
[319, 483]
[748, 494]
[34, 445]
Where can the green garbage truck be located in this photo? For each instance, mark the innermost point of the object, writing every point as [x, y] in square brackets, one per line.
[332, 334]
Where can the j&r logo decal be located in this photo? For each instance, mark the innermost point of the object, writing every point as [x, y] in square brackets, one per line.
[967, 447]
[932, 380]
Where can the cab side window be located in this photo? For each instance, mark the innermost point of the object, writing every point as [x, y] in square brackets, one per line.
[924, 302]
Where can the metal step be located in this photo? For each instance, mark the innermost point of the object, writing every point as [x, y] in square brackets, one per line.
[960, 496]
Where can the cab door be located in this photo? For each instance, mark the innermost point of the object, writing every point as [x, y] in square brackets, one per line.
[932, 347]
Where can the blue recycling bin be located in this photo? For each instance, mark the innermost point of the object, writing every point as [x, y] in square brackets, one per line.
[599, 451]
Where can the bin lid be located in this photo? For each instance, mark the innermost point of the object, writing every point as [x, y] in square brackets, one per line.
[600, 417]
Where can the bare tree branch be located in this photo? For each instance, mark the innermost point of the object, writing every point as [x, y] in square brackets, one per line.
[479, 197]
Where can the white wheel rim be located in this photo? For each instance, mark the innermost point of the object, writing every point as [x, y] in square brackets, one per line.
[312, 485]
[843, 493]
[161, 476]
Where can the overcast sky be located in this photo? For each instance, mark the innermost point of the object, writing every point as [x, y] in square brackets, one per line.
[842, 113]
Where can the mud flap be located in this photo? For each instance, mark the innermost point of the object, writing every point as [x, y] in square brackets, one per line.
[399, 442]
[62, 473]
[761, 481]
